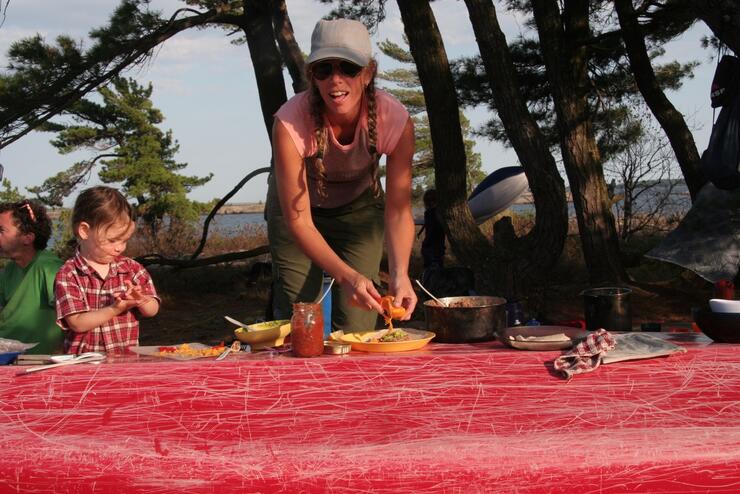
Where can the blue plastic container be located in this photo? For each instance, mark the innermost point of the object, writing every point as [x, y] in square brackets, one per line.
[8, 357]
[326, 307]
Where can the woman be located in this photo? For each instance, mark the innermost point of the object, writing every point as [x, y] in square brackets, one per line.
[332, 212]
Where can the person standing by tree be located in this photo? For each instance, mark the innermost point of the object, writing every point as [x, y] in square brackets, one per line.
[27, 282]
[326, 209]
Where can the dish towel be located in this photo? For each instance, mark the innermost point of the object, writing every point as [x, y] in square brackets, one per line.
[586, 355]
[602, 347]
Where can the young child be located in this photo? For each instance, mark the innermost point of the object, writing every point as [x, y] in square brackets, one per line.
[100, 294]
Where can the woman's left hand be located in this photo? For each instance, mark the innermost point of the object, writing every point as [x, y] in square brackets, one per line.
[404, 295]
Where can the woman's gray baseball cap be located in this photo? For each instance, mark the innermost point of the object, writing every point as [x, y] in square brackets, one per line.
[340, 38]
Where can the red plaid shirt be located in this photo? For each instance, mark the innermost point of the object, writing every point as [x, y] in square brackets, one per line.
[79, 288]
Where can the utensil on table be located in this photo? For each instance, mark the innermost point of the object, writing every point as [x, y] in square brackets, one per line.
[83, 358]
[238, 323]
[224, 353]
[429, 293]
[326, 292]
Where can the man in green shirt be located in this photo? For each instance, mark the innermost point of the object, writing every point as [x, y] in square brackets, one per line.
[27, 282]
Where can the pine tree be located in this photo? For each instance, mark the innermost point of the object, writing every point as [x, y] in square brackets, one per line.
[408, 91]
[132, 151]
[9, 193]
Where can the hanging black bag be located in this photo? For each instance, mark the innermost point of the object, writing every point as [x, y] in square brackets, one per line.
[726, 81]
[720, 163]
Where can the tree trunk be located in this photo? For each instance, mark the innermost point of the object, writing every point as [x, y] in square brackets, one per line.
[563, 45]
[669, 118]
[535, 254]
[289, 48]
[427, 49]
[268, 66]
[723, 18]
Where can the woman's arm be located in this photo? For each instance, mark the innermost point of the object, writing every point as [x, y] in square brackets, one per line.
[292, 184]
[399, 221]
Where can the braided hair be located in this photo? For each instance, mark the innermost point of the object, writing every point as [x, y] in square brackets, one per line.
[321, 133]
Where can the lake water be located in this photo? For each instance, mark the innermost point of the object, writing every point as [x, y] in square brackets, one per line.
[679, 202]
[235, 224]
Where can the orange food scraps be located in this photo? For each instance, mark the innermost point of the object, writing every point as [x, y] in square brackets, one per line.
[186, 350]
[390, 311]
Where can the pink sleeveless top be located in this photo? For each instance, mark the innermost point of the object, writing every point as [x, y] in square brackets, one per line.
[347, 166]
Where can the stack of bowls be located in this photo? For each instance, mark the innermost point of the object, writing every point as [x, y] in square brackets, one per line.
[720, 321]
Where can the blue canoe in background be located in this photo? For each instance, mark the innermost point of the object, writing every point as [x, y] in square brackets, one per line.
[495, 193]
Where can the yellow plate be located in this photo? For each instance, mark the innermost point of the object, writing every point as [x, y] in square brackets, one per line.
[359, 341]
[265, 334]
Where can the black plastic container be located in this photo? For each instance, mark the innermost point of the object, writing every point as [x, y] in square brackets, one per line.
[607, 308]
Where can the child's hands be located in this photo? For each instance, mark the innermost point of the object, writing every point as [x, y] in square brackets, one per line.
[122, 305]
[129, 299]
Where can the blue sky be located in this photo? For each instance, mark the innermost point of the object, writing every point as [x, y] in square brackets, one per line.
[205, 88]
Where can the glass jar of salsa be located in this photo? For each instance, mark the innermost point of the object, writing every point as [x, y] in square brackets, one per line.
[307, 330]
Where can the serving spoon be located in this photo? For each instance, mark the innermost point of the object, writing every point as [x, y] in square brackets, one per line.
[326, 292]
[430, 294]
[238, 323]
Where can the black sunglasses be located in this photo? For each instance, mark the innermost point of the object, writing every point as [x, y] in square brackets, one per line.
[323, 70]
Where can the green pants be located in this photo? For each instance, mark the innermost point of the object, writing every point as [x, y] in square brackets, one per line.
[354, 231]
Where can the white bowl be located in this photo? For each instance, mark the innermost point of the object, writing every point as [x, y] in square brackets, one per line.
[724, 305]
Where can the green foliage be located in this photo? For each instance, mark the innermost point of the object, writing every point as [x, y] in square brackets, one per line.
[612, 94]
[9, 193]
[131, 150]
[408, 91]
[369, 12]
[41, 78]
[64, 241]
[44, 78]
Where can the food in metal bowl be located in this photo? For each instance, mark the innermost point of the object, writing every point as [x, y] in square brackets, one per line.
[465, 319]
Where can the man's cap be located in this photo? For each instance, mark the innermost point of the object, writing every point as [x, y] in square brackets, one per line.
[340, 38]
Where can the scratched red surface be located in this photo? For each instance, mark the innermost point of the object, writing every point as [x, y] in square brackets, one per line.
[452, 418]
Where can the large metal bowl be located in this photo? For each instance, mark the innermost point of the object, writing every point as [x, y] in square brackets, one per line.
[465, 319]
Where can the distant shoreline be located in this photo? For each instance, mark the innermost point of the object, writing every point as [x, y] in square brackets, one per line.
[242, 207]
[228, 208]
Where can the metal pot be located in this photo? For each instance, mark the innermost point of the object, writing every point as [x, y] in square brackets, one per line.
[465, 319]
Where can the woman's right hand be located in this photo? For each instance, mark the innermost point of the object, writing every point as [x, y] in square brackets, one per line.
[362, 292]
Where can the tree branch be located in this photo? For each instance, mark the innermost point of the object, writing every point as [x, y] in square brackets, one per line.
[34, 112]
[149, 259]
[218, 206]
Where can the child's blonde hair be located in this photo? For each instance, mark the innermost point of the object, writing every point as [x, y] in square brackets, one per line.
[100, 207]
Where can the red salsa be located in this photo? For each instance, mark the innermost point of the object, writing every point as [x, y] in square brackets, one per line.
[307, 330]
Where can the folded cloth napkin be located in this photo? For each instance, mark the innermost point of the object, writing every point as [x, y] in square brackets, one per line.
[586, 355]
[601, 347]
[634, 346]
